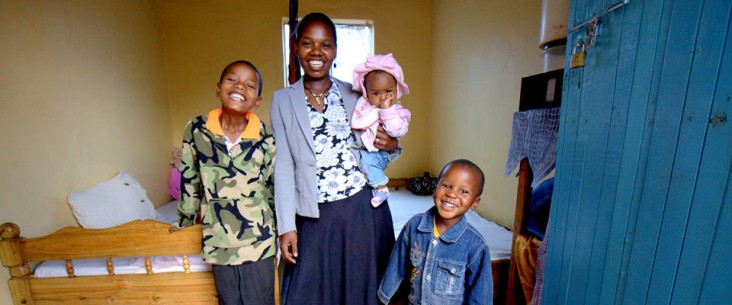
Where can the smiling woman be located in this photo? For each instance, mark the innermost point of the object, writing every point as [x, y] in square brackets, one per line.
[355, 42]
[321, 190]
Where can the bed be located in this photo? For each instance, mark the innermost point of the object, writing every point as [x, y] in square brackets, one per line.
[113, 257]
[135, 239]
[139, 262]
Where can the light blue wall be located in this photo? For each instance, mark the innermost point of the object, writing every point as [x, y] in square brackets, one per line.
[642, 208]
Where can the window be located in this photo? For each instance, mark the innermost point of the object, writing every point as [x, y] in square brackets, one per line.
[355, 41]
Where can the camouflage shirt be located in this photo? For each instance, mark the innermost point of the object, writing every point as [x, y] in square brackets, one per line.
[235, 193]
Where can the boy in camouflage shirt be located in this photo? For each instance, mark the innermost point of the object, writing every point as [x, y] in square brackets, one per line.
[227, 166]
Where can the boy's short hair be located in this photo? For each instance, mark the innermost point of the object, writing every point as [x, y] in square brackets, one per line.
[244, 62]
[312, 17]
[468, 164]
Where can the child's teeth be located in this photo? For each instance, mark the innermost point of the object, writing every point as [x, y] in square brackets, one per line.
[237, 97]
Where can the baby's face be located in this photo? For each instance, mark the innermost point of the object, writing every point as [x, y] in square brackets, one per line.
[380, 89]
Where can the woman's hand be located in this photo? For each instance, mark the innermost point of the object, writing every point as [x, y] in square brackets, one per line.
[288, 246]
[385, 142]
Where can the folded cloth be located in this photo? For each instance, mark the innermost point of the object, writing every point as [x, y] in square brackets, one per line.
[527, 247]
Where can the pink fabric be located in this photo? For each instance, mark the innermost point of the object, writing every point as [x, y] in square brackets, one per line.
[366, 117]
[385, 63]
[175, 183]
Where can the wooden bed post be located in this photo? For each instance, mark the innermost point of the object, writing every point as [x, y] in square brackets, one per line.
[535, 94]
[515, 294]
[11, 258]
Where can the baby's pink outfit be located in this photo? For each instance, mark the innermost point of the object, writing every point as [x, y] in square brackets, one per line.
[367, 117]
[395, 120]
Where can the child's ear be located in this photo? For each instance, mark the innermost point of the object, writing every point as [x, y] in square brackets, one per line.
[475, 204]
[218, 89]
[257, 102]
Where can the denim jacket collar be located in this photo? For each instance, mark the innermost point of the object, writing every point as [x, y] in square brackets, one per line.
[452, 234]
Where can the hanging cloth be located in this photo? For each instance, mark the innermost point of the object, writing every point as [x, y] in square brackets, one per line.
[534, 136]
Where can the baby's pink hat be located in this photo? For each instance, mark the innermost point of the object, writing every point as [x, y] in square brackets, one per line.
[385, 63]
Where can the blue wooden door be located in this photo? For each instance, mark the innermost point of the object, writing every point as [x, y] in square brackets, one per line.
[642, 208]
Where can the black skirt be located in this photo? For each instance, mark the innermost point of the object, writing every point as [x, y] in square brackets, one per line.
[342, 255]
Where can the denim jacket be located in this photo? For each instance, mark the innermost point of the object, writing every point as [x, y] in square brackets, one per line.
[452, 269]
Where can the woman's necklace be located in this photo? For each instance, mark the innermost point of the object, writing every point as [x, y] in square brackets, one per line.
[316, 97]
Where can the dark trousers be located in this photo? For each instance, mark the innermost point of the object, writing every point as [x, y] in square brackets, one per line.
[342, 255]
[246, 284]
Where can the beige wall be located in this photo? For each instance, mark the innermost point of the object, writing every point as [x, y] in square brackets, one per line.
[199, 39]
[82, 96]
[481, 51]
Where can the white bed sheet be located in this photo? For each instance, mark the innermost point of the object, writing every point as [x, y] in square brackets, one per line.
[126, 265]
[404, 205]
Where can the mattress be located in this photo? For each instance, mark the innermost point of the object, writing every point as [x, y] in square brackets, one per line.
[126, 265]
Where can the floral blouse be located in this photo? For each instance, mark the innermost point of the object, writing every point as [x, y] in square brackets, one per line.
[338, 174]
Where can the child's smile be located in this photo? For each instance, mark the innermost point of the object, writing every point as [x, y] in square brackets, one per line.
[448, 206]
[238, 89]
[456, 193]
[237, 97]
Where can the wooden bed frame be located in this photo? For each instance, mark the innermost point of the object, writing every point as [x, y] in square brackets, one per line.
[135, 239]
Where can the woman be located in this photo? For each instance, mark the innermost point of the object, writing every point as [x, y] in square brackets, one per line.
[335, 244]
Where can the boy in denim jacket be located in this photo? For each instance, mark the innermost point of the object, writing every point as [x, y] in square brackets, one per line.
[443, 257]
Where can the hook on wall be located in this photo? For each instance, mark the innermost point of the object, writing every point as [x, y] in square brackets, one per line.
[592, 28]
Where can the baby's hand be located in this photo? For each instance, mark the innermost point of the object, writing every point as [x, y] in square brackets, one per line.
[387, 102]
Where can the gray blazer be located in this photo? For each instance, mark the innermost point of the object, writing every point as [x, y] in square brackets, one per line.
[296, 185]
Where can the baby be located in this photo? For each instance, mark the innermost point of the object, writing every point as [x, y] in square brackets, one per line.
[381, 83]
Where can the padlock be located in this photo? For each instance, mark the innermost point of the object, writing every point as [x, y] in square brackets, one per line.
[578, 58]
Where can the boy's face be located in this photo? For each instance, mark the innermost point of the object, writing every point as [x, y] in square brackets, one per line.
[238, 89]
[456, 193]
[380, 88]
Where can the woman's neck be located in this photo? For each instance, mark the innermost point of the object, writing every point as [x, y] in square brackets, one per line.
[317, 85]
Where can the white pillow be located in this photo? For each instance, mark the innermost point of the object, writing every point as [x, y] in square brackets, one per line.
[110, 203]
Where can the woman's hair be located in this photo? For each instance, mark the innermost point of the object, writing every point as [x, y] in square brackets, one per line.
[244, 62]
[314, 17]
[469, 164]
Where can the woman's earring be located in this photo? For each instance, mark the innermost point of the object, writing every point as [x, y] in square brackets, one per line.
[335, 65]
